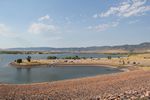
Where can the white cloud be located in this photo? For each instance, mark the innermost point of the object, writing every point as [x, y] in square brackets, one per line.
[43, 25]
[37, 28]
[127, 9]
[46, 17]
[103, 27]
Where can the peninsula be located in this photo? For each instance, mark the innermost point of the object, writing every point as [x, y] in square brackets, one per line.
[132, 61]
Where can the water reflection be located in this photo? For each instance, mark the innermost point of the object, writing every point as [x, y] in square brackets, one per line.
[23, 75]
[28, 74]
[18, 75]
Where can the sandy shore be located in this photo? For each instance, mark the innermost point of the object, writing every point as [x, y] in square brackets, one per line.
[126, 85]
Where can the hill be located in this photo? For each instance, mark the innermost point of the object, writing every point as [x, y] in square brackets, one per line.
[143, 47]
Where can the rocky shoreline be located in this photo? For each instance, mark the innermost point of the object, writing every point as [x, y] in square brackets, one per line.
[120, 86]
[143, 94]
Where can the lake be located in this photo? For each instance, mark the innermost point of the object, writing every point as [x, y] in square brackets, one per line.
[9, 74]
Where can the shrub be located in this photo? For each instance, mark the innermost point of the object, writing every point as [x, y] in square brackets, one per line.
[19, 61]
[51, 57]
[40, 53]
[83, 57]
[109, 57]
[28, 58]
[72, 57]
[123, 62]
[134, 62]
[91, 57]
[76, 57]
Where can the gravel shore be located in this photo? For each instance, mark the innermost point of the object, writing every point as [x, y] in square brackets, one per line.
[120, 86]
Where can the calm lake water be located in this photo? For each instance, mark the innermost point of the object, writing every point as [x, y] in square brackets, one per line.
[9, 74]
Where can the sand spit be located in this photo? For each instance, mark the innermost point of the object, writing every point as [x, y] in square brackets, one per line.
[139, 60]
[127, 85]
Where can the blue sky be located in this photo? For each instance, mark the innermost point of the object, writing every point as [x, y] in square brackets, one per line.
[73, 23]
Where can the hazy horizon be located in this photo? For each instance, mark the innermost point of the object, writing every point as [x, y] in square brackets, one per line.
[77, 47]
[73, 23]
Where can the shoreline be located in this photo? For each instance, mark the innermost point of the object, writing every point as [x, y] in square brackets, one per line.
[139, 61]
[122, 68]
[89, 88]
[65, 80]
[113, 63]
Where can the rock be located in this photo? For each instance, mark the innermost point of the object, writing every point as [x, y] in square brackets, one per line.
[142, 96]
[147, 93]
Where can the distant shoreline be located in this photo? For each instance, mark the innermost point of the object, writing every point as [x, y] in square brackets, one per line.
[64, 64]
[138, 60]
[126, 48]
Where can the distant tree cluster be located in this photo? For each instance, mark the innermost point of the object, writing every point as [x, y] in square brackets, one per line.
[72, 57]
[18, 61]
[51, 57]
[11, 52]
[109, 57]
[67, 57]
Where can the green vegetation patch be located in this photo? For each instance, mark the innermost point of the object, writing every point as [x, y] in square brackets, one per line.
[72, 57]
[51, 57]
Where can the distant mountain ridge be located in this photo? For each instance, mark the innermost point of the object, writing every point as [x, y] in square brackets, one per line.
[143, 47]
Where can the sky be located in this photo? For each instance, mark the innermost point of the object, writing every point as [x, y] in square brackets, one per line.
[73, 23]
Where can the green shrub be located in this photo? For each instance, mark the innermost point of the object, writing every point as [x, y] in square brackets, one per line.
[19, 61]
[40, 53]
[134, 63]
[28, 58]
[72, 57]
[109, 57]
[83, 57]
[51, 57]
[91, 57]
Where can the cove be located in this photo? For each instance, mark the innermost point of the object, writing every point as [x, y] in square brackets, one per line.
[9, 74]
[49, 74]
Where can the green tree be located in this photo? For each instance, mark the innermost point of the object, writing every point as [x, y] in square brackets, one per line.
[28, 58]
[72, 57]
[109, 57]
[19, 61]
[51, 57]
